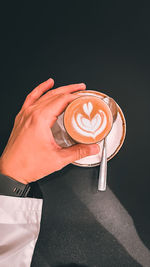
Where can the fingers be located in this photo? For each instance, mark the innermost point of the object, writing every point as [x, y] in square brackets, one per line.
[57, 105]
[69, 88]
[37, 92]
[64, 90]
[77, 152]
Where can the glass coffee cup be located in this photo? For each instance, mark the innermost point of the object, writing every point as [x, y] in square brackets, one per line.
[115, 137]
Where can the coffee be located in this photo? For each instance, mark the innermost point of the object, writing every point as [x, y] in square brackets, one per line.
[88, 119]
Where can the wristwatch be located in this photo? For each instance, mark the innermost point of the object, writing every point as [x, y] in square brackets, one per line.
[11, 187]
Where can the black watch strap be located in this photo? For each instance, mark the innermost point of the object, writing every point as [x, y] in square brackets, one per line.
[11, 187]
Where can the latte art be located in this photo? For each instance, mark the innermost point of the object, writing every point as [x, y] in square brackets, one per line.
[89, 126]
[88, 108]
[88, 119]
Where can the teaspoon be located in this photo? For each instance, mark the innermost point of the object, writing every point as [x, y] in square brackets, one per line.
[103, 166]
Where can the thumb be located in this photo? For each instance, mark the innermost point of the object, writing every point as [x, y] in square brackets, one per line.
[78, 151]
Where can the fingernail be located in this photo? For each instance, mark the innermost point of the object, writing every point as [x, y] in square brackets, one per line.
[82, 85]
[50, 79]
[95, 149]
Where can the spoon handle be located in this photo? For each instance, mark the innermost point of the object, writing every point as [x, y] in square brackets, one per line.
[103, 169]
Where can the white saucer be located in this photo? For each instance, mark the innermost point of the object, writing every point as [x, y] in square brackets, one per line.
[115, 138]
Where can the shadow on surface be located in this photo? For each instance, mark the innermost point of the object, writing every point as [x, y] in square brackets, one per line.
[131, 185]
[69, 231]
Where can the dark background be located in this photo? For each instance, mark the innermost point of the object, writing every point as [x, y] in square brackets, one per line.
[107, 46]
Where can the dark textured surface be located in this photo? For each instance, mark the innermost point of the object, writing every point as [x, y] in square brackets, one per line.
[70, 232]
[107, 46]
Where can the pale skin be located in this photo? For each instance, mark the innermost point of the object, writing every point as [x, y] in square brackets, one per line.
[31, 152]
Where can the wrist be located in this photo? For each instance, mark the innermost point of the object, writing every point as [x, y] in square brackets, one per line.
[11, 187]
[7, 170]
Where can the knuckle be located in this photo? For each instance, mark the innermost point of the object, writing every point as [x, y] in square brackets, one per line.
[81, 153]
[31, 115]
[17, 117]
[26, 112]
[28, 117]
[67, 97]
[64, 95]
[35, 116]
[30, 95]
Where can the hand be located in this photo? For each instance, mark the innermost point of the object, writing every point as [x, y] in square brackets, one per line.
[31, 152]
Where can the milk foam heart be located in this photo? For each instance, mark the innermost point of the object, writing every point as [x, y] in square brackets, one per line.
[90, 127]
[88, 107]
[88, 119]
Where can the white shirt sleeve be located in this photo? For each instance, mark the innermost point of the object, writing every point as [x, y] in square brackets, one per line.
[19, 228]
